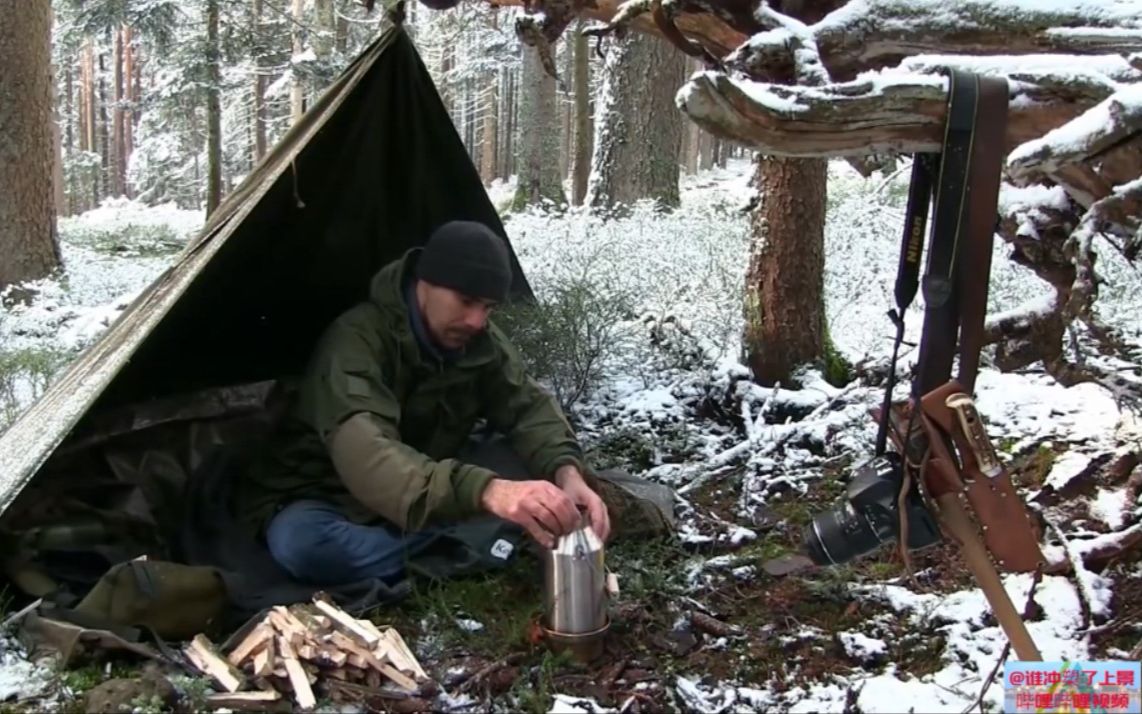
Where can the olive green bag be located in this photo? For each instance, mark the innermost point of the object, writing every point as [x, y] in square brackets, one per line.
[171, 600]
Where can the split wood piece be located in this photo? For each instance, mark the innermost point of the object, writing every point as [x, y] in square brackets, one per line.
[408, 659]
[285, 623]
[402, 680]
[385, 648]
[332, 655]
[298, 678]
[204, 655]
[347, 624]
[258, 638]
[264, 660]
[243, 701]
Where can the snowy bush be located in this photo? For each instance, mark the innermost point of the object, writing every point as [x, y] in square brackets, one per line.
[131, 228]
[25, 375]
[687, 265]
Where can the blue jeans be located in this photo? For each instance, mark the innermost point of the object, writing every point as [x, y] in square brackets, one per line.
[316, 544]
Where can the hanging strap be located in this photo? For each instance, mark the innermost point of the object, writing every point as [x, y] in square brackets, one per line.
[980, 219]
[966, 174]
[940, 287]
[908, 271]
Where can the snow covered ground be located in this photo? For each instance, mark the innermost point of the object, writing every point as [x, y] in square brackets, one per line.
[683, 272]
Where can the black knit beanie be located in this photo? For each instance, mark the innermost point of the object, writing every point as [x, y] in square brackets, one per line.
[469, 258]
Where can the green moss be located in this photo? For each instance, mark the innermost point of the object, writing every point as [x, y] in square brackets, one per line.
[1039, 464]
[837, 370]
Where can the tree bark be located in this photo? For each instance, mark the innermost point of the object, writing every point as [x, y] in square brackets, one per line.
[259, 83]
[131, 97]
[490, 131]
[508, 123]
[115, 150]
[784, 304]
[104, 133]
[59, 195]
[583, 135]
[297, 86]
[213, 110]
[326, 28]
[539, 178]
[566, 112]
[27, 220]
[87, 136]
[639, 131]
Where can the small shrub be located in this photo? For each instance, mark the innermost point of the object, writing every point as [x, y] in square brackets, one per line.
[24, 376]
[627, 448]
[569, 334]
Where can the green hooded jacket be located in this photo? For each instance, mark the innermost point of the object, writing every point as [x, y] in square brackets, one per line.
[377, 424]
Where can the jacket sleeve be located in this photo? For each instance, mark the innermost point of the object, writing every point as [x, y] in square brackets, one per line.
[530, 417]
[358, 416]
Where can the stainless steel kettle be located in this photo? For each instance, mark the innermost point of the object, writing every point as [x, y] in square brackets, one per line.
[576, 584]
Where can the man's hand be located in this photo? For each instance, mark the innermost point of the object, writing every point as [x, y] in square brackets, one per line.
[575, 486]
[543, 509]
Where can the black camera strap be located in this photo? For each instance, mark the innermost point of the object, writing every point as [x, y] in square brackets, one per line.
[955, 282]
[908, 271]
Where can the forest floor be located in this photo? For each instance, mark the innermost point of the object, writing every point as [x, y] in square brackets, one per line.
[699, 624]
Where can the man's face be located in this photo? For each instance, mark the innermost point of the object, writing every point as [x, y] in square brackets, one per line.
[452, 318]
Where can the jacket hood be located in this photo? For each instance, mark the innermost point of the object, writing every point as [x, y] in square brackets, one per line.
[386, 289]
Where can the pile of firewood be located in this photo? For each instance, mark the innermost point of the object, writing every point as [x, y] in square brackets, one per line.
[306, 647]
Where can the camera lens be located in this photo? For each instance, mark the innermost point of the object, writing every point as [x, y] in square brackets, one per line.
[839, 535]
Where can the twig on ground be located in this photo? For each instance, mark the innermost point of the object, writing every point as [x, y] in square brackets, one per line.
[486, 671]
[1083, 589]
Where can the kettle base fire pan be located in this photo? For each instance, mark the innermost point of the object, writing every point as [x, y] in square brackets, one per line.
[583, 646]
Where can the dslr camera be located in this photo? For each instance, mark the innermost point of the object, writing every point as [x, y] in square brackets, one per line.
[868, 516]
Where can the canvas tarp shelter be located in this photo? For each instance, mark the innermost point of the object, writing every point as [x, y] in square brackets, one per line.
[369, 171]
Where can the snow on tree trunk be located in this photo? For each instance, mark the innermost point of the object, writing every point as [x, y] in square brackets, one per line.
[785, 300]
[539, 178]
[297, 89]
[489, 131]
[326, 29]
[639, 131]
[213, 110]
[27, 219]
[259, 83]
[581, 123]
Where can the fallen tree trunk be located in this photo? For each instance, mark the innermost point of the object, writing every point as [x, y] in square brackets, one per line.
[904, 114]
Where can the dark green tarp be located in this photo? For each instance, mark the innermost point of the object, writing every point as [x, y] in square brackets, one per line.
[203, 358]
[383, 171]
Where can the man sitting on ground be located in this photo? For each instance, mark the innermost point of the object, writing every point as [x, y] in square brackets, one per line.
[368, 464]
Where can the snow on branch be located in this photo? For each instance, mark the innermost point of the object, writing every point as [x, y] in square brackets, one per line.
[865, 34]
[1101, 127]
[886, 111]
